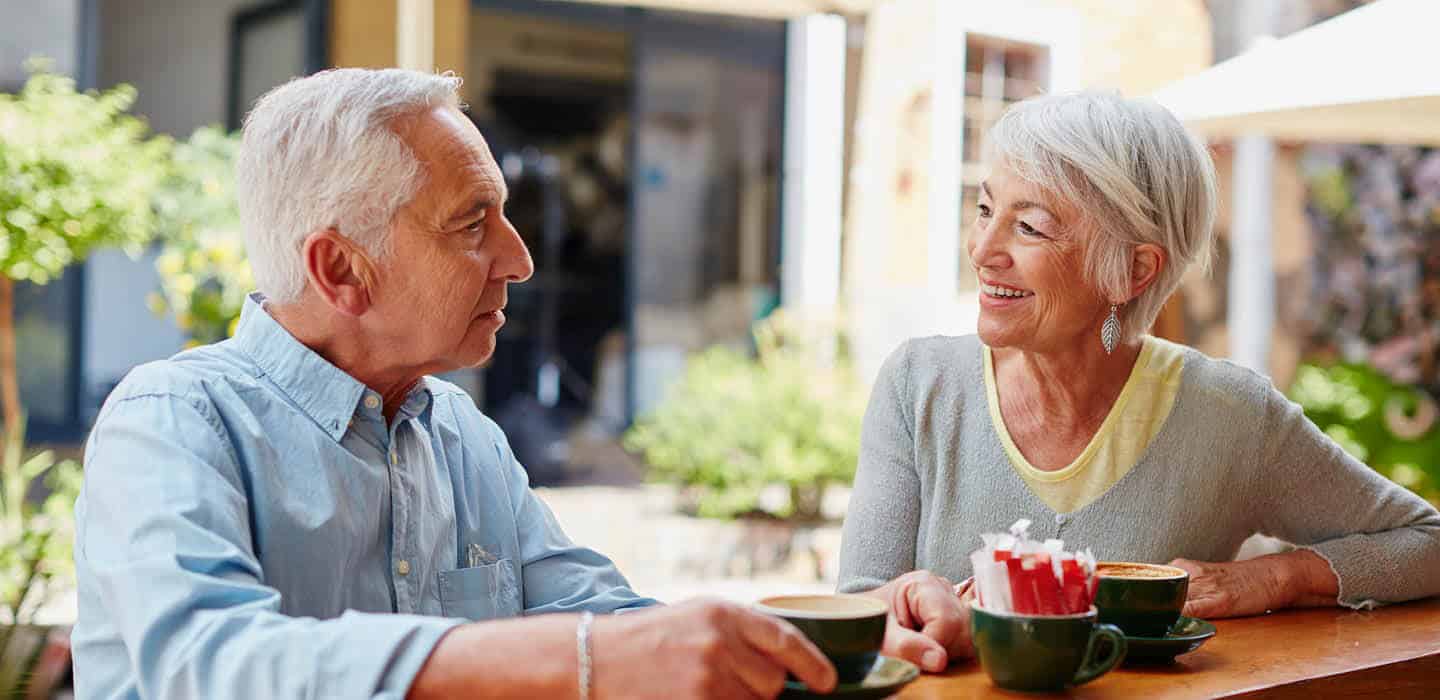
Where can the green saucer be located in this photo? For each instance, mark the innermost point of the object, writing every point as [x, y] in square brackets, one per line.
[1185, 636]
[885, 679]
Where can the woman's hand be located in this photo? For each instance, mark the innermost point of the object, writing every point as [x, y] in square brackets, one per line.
[929, 620]
[1255, 586]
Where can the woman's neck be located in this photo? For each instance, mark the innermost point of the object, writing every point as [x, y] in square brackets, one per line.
[1070, 389]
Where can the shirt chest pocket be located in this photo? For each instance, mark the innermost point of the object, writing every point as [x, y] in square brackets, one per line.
[481, 592]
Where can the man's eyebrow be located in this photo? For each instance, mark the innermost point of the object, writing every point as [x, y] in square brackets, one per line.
[480, 203]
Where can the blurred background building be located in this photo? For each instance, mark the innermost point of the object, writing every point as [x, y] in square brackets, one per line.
[644, 149]
[679, 167]
[682, 168]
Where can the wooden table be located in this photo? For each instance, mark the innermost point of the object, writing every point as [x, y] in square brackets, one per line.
[1327, 652]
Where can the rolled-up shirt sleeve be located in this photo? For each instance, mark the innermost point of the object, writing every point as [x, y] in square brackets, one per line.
[164, 557]
[1381, 540]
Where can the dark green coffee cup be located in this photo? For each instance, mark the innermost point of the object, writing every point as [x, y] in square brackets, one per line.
[848, 629]
[1144, 600]
[1044, 652]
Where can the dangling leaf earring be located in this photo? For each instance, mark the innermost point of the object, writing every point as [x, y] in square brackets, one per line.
[1110, 331]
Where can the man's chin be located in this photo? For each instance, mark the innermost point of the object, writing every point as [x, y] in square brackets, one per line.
[478, 351]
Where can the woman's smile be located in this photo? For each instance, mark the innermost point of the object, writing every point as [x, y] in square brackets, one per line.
[997, 296]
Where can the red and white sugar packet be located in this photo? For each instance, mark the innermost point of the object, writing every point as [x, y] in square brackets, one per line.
[1016, 574]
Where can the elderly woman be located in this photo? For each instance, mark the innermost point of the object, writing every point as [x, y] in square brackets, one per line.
[1062, 410]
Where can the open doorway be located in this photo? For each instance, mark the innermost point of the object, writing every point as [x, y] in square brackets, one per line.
[552, 97]
[642, 150]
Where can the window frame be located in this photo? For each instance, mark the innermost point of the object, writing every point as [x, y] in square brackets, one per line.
[1052, 29]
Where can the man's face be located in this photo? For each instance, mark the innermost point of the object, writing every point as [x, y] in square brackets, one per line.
[440, 290]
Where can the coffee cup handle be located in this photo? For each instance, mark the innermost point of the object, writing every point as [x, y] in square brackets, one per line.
[1091, 669]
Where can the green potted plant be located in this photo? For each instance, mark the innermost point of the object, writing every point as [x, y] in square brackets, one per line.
[737, 423]
[1374, 215]
[35, 555]
[77, 173]
[1393, 427]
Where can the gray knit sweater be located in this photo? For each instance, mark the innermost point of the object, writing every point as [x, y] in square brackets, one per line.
[1234, 458]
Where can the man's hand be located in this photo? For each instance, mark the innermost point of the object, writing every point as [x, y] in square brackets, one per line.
[929, 620]
[1254, 586]
[701, 649]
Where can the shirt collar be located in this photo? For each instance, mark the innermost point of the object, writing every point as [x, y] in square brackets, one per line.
[328, 395]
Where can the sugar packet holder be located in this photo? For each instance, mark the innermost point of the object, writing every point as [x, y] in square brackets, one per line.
[1014, 574]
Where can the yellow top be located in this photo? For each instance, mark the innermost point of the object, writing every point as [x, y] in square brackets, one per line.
[1142, 407]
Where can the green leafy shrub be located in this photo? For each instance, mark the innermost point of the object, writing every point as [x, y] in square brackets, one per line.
[204, 275]
[35, 538]
[1390, 426]
[77, 174]
[735, 424]
[36, 558]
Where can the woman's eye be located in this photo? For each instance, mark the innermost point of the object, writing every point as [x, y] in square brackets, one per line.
[984, 210]
[1028, 230]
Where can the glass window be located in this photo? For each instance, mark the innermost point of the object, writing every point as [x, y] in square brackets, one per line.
[268, 48]
[998, 73]
[45, 324]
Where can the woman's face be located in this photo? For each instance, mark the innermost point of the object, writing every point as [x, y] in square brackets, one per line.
[1028, 249]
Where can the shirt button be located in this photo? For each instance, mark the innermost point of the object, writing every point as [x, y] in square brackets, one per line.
[1060, 520]
[394, 458]
[402, 567]
[372, 401]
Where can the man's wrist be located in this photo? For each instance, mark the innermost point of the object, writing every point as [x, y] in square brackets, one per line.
[434, 676]
[480, 660]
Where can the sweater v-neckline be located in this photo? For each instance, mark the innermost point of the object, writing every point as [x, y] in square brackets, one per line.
[1001, 434]
[1103, 432]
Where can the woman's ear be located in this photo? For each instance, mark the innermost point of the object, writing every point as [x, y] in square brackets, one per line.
[1146, 262]
[339, 271]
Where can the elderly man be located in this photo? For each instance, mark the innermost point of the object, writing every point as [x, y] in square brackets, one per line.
[303, 512]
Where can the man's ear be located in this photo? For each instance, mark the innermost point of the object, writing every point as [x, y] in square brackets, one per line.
[339, 271]
[1145, 264]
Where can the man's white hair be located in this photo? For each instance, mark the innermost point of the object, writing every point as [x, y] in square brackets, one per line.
[1134, 171]
[318, 152]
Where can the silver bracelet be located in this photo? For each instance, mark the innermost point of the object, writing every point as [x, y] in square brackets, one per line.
[582, 651]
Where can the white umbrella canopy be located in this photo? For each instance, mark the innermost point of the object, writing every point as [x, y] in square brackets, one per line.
[771, 9]
[1371, 75]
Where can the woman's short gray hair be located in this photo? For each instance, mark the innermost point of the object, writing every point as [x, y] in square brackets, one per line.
[1136, 174]
[318, 152]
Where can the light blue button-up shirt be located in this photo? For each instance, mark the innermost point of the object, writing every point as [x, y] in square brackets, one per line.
[251, 527]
